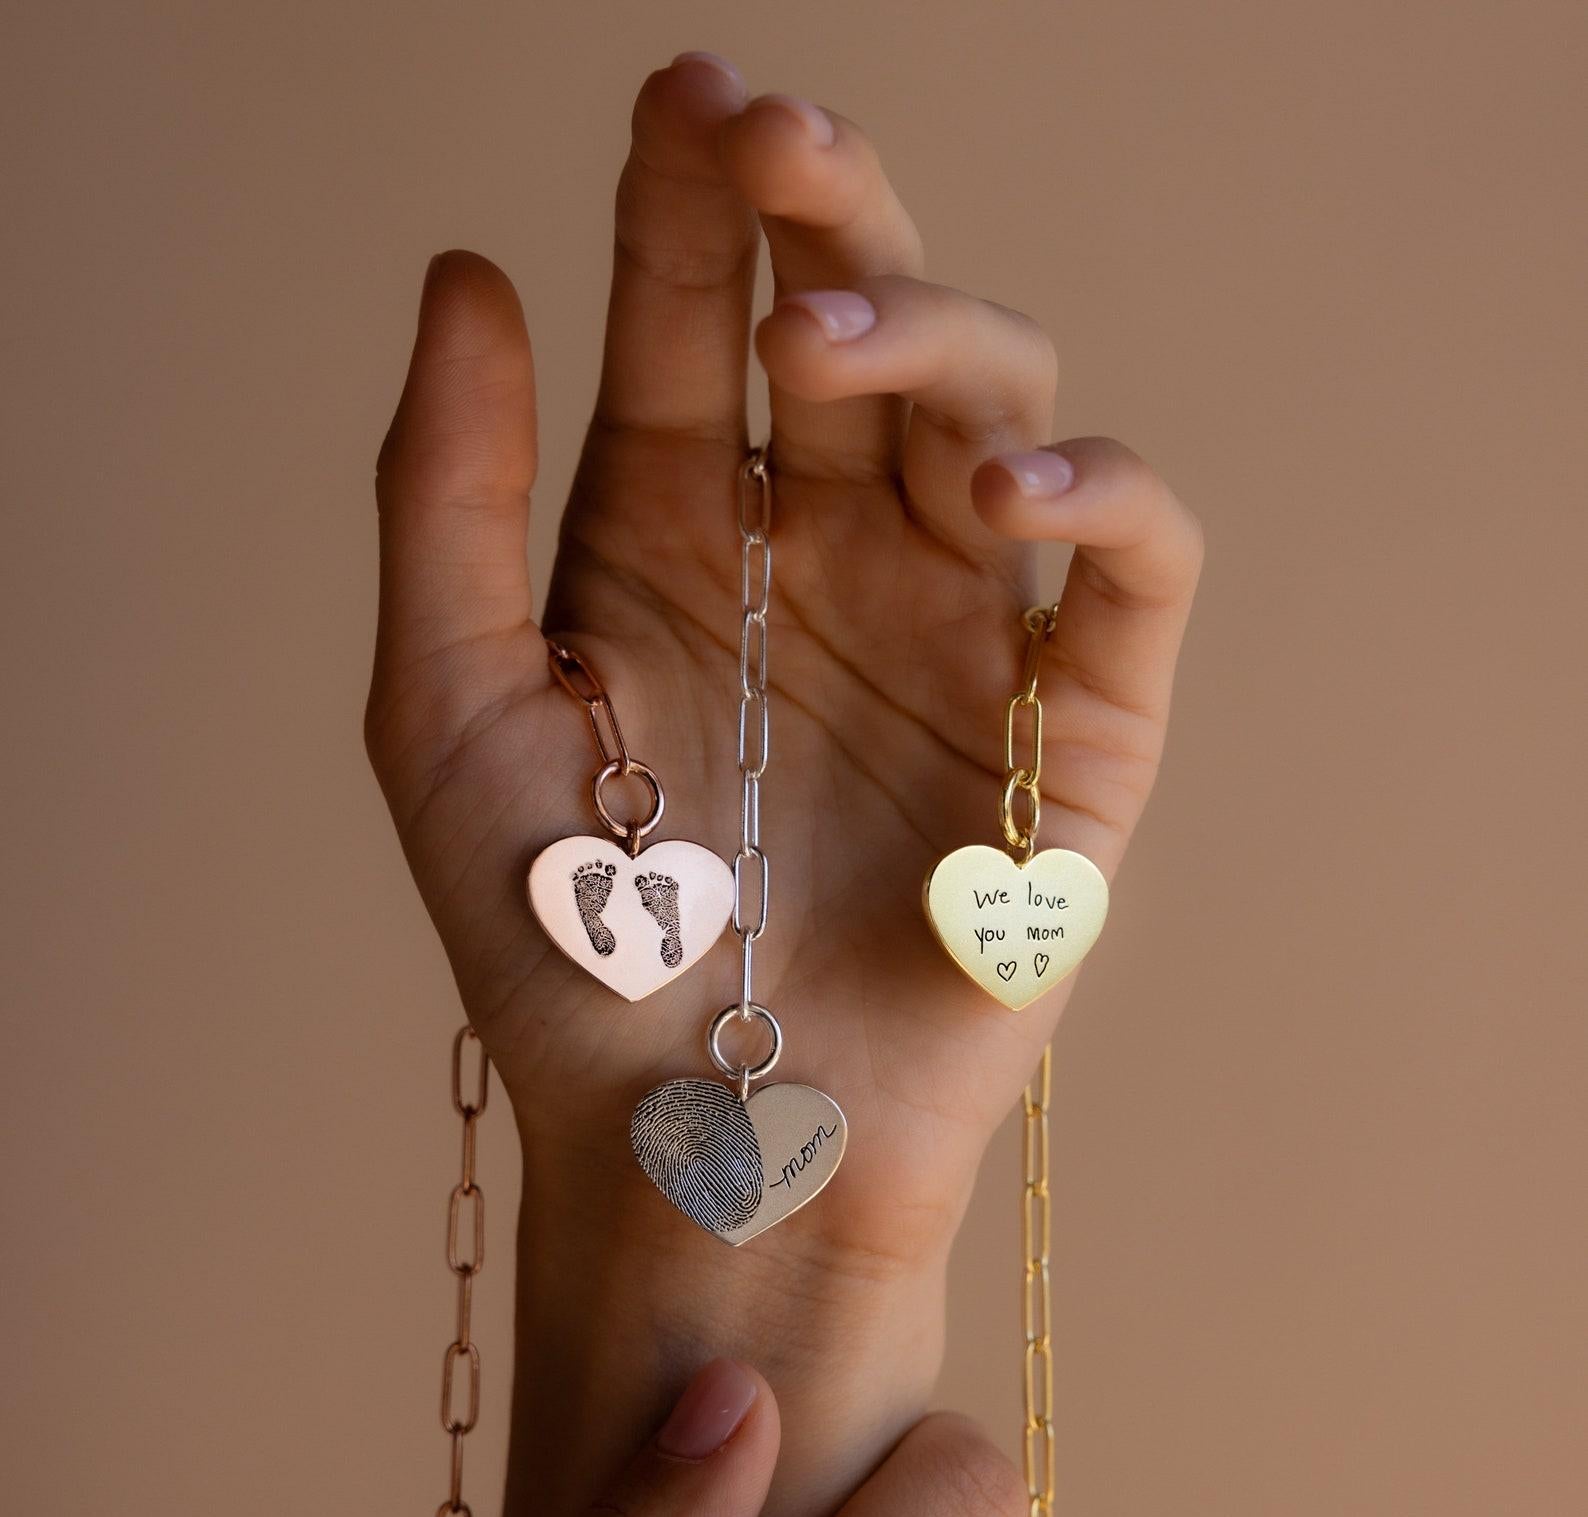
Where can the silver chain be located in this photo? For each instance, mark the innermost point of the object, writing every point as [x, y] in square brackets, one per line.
[755, 746]
[755, 725]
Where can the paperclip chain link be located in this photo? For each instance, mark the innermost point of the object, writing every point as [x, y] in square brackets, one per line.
[577, 676]
[463, 1351]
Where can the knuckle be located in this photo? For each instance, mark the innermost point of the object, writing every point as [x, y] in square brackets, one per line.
[1031, 332]
[1045, 352]
[1195, 535]
[1169, 521]
[1020, 334]
[457, 466]
[677, 264]
[657, 247]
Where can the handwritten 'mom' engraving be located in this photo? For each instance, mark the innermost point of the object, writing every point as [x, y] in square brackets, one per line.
[806, 1155]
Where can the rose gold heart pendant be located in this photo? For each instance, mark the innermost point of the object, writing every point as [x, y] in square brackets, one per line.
[634, 922]
[633, 917]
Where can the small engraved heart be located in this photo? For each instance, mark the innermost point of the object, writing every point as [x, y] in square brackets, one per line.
[736, 1168]
[634, 923]
[983, 906]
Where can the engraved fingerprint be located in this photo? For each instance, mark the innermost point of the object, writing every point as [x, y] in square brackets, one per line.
[695, 1141]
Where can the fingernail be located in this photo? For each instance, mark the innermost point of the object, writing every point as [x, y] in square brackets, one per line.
[1039, 476]
[712, 60]
[709, 1412]
[842, 314]
[817, 123]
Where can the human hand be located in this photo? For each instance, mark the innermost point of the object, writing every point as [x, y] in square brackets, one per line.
[716, 1454]
[907, 427]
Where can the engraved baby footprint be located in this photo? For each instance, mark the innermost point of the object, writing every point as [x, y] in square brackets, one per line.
[592, 885]
[659, 896]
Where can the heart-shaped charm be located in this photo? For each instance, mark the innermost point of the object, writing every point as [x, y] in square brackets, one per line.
[634, 923]
[737, 1167]
[1016, 930]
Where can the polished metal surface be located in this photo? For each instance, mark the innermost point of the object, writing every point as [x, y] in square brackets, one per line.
[634, 923]
[1016, 929]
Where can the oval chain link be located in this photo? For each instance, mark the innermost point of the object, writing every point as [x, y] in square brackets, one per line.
[462, 1358]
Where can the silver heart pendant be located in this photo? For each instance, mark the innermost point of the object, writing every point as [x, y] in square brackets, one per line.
[634, 923]
[738, 1167]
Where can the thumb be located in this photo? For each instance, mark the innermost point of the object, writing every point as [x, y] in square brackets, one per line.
[713, 1457]
[454, 473]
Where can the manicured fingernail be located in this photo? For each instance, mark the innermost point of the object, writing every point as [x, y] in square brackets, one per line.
[816, 121]
[709, 1412]
[841, 314]
[712, 60]
[1039, 475]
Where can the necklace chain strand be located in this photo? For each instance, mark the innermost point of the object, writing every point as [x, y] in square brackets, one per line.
[1036, 1200]
[755, 725]
[1036, 1291]
[463, 1350]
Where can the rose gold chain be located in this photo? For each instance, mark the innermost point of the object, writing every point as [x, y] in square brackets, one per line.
[577, 676]
[579, 679]
[462, 1351]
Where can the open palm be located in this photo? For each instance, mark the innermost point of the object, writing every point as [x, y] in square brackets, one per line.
[902, 548]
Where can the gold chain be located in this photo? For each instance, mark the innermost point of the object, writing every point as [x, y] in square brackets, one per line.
[462, 1349]
[1020, 833]
[1036, 1203]
[1036, 1291]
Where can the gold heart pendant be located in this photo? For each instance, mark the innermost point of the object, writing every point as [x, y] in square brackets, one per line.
[1016, 930]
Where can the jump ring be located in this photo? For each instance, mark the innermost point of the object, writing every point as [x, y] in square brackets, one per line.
[634, 829]
[1018, 837]
[744, 1073]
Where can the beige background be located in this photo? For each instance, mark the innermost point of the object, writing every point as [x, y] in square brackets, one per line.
[1319, 1195]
